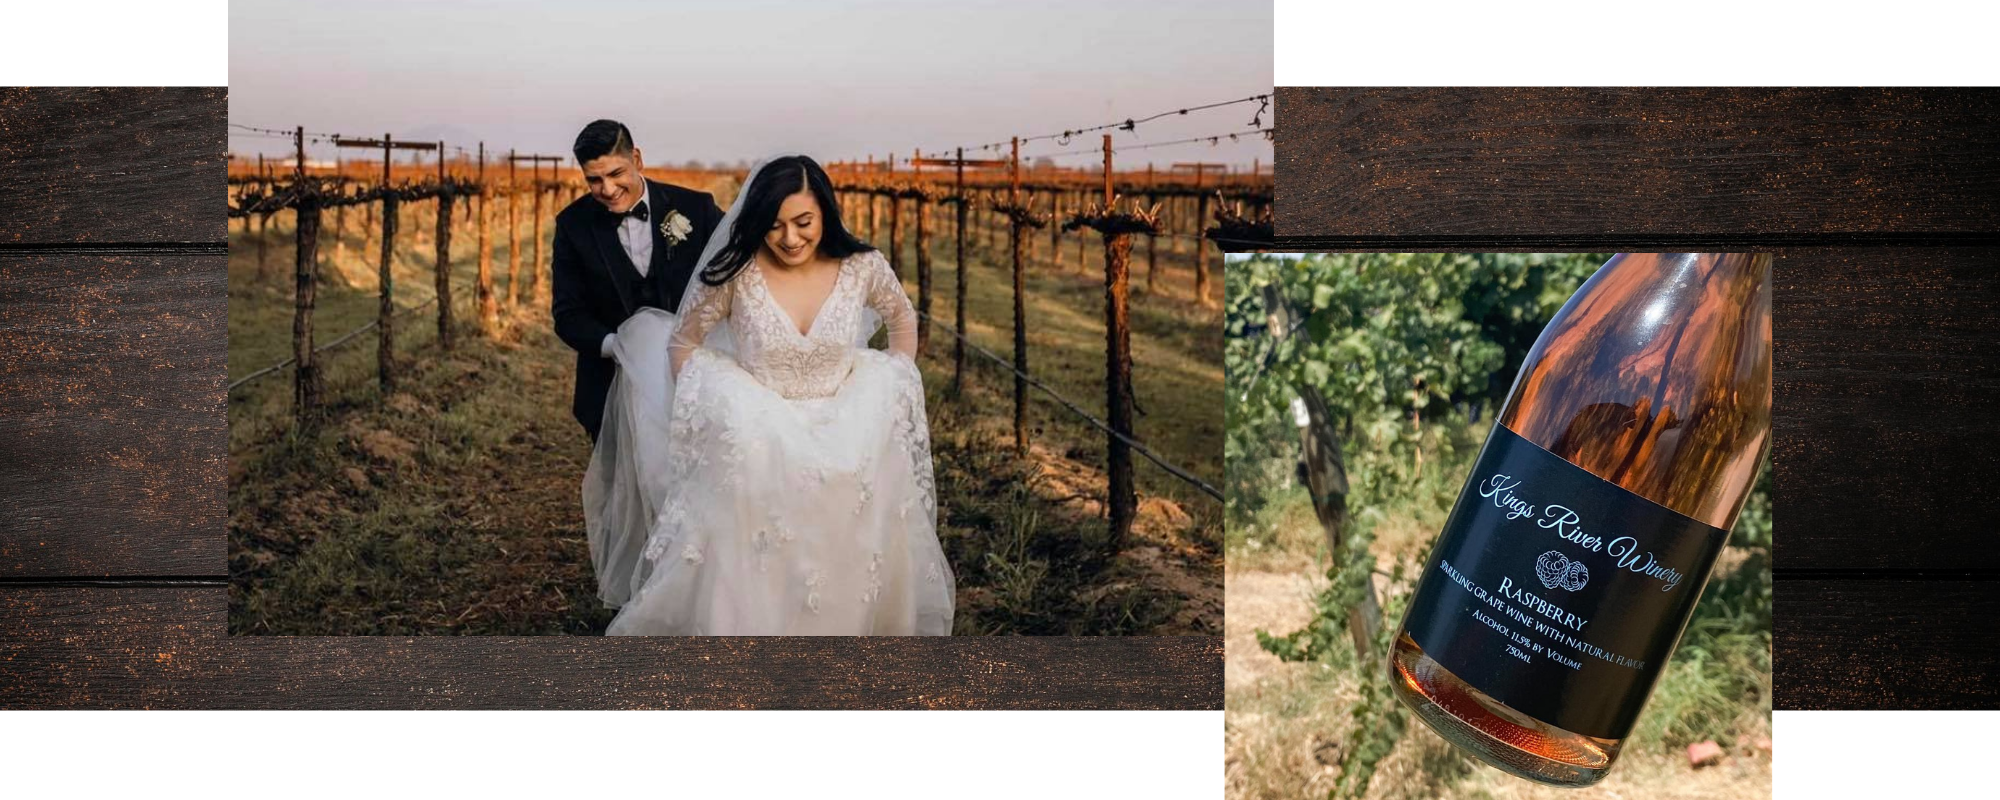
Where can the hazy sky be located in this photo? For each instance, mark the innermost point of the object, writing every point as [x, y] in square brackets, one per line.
[734, 79]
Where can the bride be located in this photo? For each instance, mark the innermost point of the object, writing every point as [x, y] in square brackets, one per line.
[761, 470]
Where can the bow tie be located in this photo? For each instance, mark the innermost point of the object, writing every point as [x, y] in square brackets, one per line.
[638, 210]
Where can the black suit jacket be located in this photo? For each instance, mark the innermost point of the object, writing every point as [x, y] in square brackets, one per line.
[596, 283]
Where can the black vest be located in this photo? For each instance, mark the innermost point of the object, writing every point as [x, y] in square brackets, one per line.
[647, 293]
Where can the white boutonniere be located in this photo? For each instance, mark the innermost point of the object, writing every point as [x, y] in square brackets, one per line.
[675, 227]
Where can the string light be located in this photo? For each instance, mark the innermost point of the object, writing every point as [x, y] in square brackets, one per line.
[1211, 139]
[1128, 124]
[1131, 125]
[312, 137]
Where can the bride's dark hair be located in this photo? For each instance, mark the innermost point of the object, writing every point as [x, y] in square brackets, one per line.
[779, 179]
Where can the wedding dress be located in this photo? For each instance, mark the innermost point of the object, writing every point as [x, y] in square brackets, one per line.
[785, 487]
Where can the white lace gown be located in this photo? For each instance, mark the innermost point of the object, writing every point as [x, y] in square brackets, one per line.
[795, 493]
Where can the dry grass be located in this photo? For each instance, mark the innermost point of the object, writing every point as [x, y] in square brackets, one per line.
[450, 506]
[1285, 537]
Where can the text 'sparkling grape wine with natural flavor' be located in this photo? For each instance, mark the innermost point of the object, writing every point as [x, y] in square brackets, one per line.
[1584, 535]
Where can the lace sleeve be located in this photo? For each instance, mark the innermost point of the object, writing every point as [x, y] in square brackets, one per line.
[708, 307]
[886, 298]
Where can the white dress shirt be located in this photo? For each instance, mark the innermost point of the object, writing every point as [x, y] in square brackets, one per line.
[636, 236]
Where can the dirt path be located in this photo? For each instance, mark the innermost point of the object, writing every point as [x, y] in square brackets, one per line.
[1276, 602]
[1284, 722]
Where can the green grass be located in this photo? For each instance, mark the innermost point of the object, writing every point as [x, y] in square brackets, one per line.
[346, 298]
[1176, 352]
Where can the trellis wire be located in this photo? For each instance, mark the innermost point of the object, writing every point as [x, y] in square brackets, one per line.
[1079, 411]
[325, 347]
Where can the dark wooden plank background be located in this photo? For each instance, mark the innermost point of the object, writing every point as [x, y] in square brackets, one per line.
[1887, 643]
[112, 165]
[1454, 165]
[111, 414]
[165, 647]
[1880, 206]
[113, 582]
[1886, 379]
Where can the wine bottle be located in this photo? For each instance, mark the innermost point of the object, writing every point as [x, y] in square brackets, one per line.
[1576, 551]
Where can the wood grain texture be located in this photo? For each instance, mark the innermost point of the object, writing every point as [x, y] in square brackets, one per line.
[112, 165]
[165, 648]
[112, 415]
[1867, 644]
[1725, 162]
[1884, 436]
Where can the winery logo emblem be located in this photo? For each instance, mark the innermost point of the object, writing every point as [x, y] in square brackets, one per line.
[1558, 572]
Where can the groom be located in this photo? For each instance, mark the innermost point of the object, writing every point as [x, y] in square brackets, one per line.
[631, 243]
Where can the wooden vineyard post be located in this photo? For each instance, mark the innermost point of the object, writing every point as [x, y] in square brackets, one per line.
[1055, 231]
[1117, 367]
[385, 346]
[538, 283]
[1082, 241]
[443, 254]
[1020, 309]
[1200, 244]
[1027, 241]
[869, 191]
[921, 200]
[367, 232]
[385, 356]
[958, 315]
[895, 220]
[1200, 203]
[1177, 211]
[535, 276]
[1181, 212]
[305, 385]
[418, 234]
[963, 201]
[1152, 252]
[1029, 201]
[471, 219]
[339, 211]
[263, 227]
[1058, 201]
[488, 312]
[513, 236]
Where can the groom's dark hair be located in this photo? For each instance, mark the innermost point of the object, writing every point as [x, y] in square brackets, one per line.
[601, 138]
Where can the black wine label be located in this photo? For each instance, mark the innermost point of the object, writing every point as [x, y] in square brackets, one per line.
[1557, 592]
